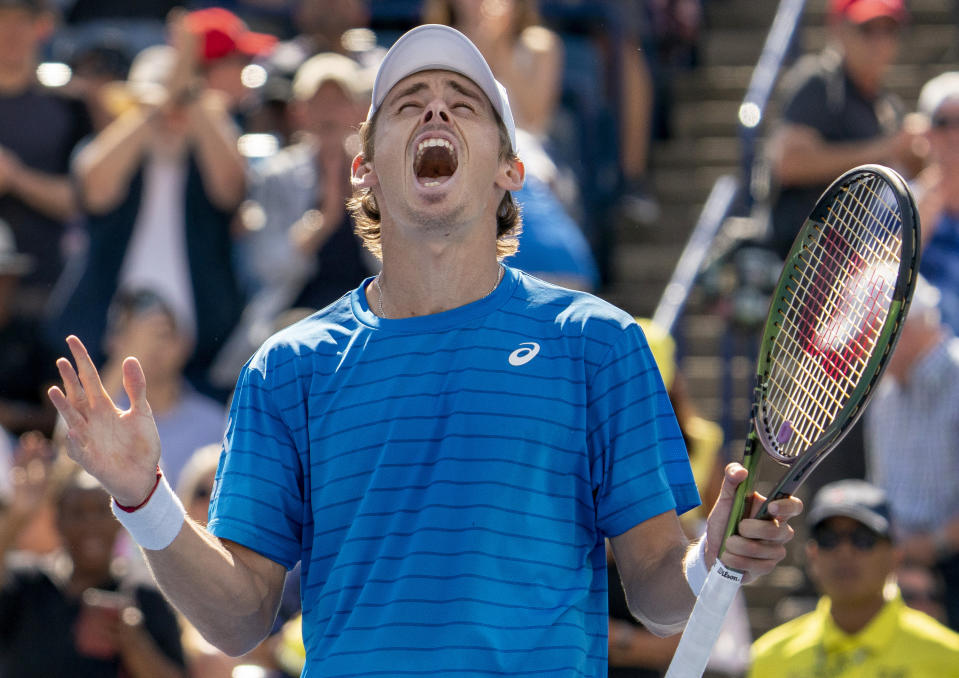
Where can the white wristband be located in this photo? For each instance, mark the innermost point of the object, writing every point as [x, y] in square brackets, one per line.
[156, 524]
[695, 567]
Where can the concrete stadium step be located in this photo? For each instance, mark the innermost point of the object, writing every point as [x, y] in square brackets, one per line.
[722, 151]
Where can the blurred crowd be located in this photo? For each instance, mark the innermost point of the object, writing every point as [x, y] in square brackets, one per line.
[173, 179]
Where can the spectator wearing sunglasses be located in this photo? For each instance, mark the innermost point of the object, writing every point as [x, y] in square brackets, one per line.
[861, 626]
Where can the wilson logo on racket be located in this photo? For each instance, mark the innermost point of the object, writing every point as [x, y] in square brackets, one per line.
[526, 352]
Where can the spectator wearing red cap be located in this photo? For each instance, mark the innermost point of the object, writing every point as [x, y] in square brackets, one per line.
[837, 114]
[224, 47]
[160, 186]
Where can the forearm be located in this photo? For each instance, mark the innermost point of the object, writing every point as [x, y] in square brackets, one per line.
[48, 194]
[212, 586]
[800, 157]
[222, 166]
[650, 559]
[659, 595]
[104, 168]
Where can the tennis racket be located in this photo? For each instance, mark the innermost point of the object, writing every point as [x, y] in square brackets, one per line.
[833, 322]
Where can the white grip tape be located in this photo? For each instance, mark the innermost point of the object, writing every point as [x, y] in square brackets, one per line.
[705, 622]
[695, 568]
[156, 524]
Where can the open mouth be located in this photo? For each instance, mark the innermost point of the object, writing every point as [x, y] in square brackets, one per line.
[435, 161]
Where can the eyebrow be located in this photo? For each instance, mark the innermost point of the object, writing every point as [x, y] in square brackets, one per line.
[417, 87]
[412, 89]
[457, 87]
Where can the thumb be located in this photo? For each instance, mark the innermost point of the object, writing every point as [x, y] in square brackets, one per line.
[733, 476]
[718, 519]
[135, 384]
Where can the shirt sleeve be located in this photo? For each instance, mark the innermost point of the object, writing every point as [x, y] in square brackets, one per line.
[640, 464]
[808, 105]
[258, 496]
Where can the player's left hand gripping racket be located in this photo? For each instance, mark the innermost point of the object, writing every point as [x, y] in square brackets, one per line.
[833, 321]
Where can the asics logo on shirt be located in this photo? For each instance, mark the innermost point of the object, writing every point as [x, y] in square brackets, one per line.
[526, 352]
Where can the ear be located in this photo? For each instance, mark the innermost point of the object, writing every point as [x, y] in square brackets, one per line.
[363, 175]
[511, 175]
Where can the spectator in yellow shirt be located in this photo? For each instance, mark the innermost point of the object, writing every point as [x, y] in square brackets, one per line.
[861, 627]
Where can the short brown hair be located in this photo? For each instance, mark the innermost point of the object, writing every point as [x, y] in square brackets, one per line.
[366, 213]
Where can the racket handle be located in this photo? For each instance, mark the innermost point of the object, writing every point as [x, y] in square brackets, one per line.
[705, 622]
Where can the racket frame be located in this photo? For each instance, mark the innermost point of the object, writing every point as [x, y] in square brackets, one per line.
[759, 438]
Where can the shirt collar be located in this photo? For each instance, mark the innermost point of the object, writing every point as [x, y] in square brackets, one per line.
[876, 635]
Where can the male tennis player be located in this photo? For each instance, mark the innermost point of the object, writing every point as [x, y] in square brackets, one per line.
[445, 448]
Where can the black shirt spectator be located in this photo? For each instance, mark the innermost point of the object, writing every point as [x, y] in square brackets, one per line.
[41, 128]
[37, 616]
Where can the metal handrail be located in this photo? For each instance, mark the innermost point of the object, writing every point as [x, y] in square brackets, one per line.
[720, 203]
[752, 111]
[717, 208]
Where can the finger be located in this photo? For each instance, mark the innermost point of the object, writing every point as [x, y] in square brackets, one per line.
[770, 531]
[36, 471]
[135, 384]
[734, 474]
[70, 414]
[87, 371]
[786, 508]
[71, 382]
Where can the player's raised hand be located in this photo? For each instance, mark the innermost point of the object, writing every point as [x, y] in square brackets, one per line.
[120, 448]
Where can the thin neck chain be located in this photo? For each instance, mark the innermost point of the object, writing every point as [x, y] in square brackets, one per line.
[379, 289]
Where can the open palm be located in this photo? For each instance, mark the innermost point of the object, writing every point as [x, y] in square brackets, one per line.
[121, 448]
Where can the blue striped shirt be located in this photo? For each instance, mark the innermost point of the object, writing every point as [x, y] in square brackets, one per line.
[448, 481]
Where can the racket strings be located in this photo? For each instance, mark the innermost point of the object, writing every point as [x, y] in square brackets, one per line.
[841, 296]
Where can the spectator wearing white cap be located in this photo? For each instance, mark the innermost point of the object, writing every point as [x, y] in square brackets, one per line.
[446, 447]
[298, 247]
[937, 192]
[302, 190]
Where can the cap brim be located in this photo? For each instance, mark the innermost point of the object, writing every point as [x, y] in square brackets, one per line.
[870, 519]
[255, 44]
[860, 13]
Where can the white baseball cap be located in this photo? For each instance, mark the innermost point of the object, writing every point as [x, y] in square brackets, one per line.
[942, 88]
[438, 47]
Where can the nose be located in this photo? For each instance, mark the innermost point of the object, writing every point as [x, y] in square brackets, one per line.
[436, 111]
